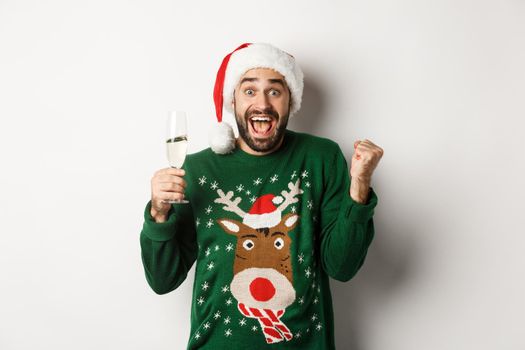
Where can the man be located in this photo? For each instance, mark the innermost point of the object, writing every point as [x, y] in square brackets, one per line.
[272, 215]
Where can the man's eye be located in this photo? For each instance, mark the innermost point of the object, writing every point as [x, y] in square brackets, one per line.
[248, 92]
[274, 92]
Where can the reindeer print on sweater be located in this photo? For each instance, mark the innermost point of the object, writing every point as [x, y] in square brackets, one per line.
[263, 280]
[262, 262]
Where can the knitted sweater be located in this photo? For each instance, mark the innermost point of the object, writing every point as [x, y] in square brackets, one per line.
[265, 232]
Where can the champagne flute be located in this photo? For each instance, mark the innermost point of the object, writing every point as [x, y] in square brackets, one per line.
[177, 142]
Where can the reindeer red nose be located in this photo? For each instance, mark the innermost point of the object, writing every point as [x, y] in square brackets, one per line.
[262, 289]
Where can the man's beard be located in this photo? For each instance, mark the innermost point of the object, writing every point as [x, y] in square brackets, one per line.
[261, 145]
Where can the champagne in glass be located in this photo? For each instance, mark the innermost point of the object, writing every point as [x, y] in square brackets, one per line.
[176, 142]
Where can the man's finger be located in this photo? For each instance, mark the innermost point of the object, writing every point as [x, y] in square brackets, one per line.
[171, 187]
[172, 179]
[171, 171]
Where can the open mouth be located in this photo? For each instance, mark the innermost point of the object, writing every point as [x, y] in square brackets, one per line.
[262, 126]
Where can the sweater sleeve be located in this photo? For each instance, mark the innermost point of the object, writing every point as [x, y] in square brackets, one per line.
[168, 249]
[347, 227]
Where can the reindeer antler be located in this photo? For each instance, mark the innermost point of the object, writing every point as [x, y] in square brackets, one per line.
[289, 197]
[230, 205]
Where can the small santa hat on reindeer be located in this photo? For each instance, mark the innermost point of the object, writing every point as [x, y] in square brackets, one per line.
[263, 212]
[234, 66]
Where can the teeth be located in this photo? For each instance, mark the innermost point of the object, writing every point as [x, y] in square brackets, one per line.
[261, 119]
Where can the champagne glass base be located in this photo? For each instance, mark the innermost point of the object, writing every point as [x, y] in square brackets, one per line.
[176, 201]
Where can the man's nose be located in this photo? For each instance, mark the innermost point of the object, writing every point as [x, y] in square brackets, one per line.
[262, 102]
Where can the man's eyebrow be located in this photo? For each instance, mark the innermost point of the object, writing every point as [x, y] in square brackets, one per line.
[273, 81]
[248, 79]
[278, 81]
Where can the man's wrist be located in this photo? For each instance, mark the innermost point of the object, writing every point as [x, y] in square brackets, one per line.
[158, 217]
[359, 190]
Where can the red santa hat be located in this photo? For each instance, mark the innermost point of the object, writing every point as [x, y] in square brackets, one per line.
[234, 65]
[263, 212]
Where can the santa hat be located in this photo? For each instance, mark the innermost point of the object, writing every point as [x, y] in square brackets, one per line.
[234, 65]
[263, 212]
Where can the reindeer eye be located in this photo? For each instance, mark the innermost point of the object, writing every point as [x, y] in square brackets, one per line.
[279, 243]
[248, 244]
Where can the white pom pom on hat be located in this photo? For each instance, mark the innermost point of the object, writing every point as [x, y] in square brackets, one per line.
[234, 65]
[222, 139]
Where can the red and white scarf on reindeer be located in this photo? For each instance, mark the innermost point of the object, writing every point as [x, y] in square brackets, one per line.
[274, 330]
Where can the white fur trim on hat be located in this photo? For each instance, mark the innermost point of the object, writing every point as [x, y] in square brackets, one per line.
[262, 55]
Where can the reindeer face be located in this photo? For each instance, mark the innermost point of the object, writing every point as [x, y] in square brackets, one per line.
[263, 247]
[262, 268]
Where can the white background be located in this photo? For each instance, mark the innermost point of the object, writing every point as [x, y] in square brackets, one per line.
[439, 85]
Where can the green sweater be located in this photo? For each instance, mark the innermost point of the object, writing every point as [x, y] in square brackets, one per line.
[266, 233]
